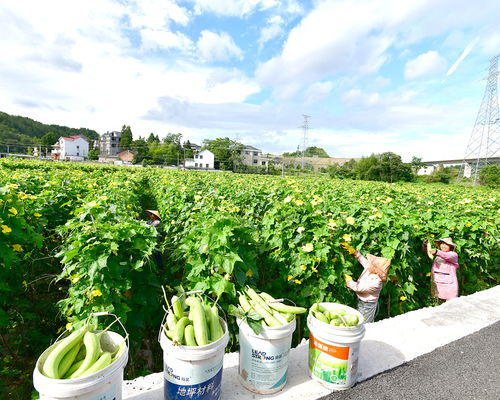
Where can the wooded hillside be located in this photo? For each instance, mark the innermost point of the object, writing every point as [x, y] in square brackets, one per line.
[18, 133]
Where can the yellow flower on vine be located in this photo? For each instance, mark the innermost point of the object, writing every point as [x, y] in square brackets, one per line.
[308, 248]
[96, 293]
[38, 215]
[331, 223]
[288, 199]
[290, 277]
[249, 273]
[17, 247]
[402, 298]
[6, 229]
[303, 267]
[350, 220]
[298, 281]
[347, 238]
[13, 211]
[299, 202]
[468, 224]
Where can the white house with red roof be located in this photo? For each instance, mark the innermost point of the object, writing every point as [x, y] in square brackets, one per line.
[71, 148]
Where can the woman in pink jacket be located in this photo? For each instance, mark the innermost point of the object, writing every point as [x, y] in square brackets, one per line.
[369, 283]
[444, 269]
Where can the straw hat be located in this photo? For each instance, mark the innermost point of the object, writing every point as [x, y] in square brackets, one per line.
[155, 213]
[381, 264]
[448, 241]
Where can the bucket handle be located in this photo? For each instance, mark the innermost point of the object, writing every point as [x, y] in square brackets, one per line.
[102, 314]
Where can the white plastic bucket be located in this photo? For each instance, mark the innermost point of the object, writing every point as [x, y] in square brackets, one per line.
[105, 384]
[193, 372]
[334, 350]
[264, 358]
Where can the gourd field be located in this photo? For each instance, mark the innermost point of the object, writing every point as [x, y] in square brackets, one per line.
[74, 240]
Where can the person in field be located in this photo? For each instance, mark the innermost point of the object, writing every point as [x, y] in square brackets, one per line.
[154, 217]
[444, 269]
[369, 283]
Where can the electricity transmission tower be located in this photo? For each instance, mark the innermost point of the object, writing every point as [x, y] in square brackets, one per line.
[484, 142]
[305, 127]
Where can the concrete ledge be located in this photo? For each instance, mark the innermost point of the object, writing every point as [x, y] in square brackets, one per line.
[387, 344]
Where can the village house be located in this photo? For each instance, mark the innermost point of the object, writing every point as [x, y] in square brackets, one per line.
[126, 156]
[202, 160]
[72, 148]
[109, 144]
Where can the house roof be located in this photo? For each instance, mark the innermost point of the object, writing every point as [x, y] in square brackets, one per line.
[73, 137]
[251, 148]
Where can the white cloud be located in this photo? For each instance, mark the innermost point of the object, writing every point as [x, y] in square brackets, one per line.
[213, 46]
[274, 28]
[425, 65]
[156, 15]
[163, 39]
[235, 8]
[490, 42]
[318, 91]
[332, 38]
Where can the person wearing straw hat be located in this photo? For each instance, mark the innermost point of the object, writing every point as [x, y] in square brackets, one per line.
[154, 217]
[369, 283]
[444, 269]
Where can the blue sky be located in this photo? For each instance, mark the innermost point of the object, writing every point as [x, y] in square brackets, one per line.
[402, 76]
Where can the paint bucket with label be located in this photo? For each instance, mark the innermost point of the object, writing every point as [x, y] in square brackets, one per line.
[193, 372]
[264, 358]
[334, 350]
[105, 384]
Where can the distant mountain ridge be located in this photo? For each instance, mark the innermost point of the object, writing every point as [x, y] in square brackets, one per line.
[18, 133]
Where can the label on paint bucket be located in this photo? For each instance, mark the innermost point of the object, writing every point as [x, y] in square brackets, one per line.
[329, 363]
[195, 382]
[265, 367]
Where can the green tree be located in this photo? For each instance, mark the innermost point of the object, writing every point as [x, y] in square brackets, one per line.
[367, 168]
[126, 138]
[187, 150]
[153, 139]
[392, 168]
[490, 175]
[140, 147]
[173, 138]
[94, 154]
[416, 164]
[442, 174]
[386, 167]
[49, 139]
[346, 170]
[227, 152]
[164, 154]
